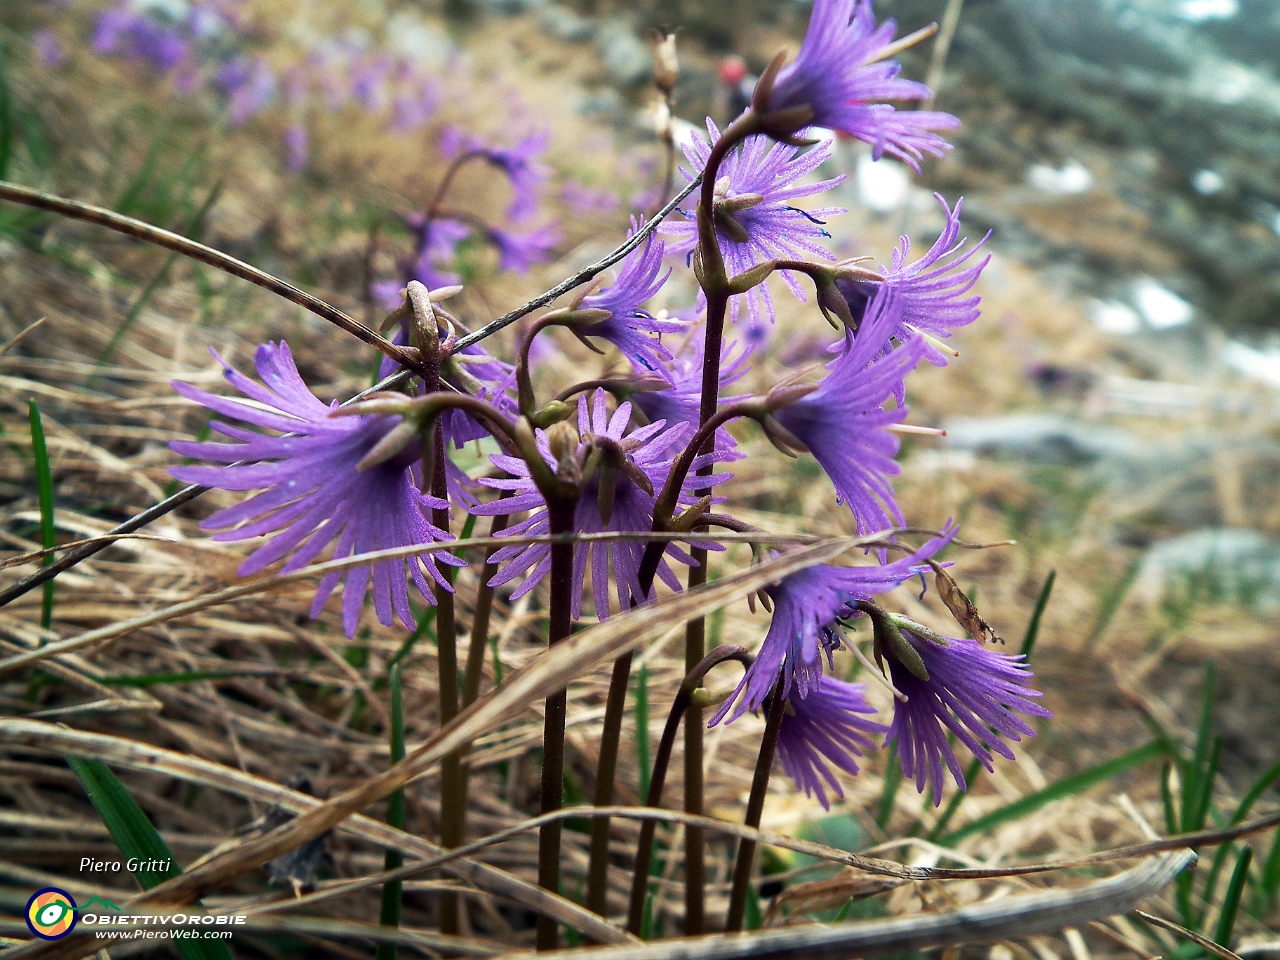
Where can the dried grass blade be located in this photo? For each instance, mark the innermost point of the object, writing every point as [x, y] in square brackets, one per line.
[1016, 916]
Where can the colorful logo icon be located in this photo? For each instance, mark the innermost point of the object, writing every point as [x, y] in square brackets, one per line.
[51, 913]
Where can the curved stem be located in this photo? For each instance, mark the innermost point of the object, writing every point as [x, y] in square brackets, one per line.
[715, 287]
[433, 208]
[755, 807]
[214, 258]
[560, 515]
[661, 760]
[606, 770]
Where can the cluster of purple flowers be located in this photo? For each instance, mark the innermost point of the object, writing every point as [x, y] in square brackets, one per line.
[205, 45]
[629, 464]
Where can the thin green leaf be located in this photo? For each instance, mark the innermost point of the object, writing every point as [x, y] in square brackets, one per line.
[754, 915]
[1193, 782]
[1109, 603]
[6, 116]
[957, 798]
[1231, 903]
[642, 731]
[393, 892]
[1271, 873]
[889, 789]
[1033, 628]
[646, 921]
[138, 839]
[44, 485]
[1255, 792]
[192, 230]
[1166, 795]
[844, 911]
[423, 627]
[1063, 788]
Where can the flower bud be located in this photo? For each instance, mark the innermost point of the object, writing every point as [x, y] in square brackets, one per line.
[666, 66]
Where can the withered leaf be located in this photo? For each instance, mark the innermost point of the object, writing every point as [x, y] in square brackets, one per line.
[962, 607]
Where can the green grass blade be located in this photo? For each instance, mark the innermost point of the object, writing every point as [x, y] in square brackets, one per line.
[137, 838]
[423, 628]
[889, 791]
[1271, 873]
[1109, 604]
[957, 798]
[393, 892]
[1057, 791]
[754, 915]
[642, 731]
[192, 230]
[1166, 795]
[646, 920]
[844, 911]
[6, 116]
[1033, 628]
[1255, 792]
[1231, 903]
[1193, 780]
[44, 484]
[1206, 791]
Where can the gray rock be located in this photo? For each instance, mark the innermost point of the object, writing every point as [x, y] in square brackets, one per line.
[627, 59]
[606, 104]
[1039, 438]
[565, 25]
[511, 8]
[1218, 564]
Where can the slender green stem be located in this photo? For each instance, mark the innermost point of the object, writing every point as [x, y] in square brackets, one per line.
[392, 891]
[661, 761]
[755, 808]
[560, 515]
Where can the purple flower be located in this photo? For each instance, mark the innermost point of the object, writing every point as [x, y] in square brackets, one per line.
[769, 229]
[137, 36]
[587, 200]
[648, 451]
[930, 293]
[629, 326]
[295, 142]
[520, 251]
[827, 728]
[844, 422]
[972, 692]
[249, 85]
[312, 492]
[520, 163]
[837, 77]
[807, 609]
[681, 402]
[47, 48]
[369, 81]
[415, 105]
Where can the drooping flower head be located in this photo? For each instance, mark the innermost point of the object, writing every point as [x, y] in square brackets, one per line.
[520, 251]
[844, 422]
[630, 327]
[933, 293]
[825, 729]
[755, 219]
[648, 452]
[250, 86]
[312, 493]
[839, 80]
[521, 163]
[972, 691]
[807, 609]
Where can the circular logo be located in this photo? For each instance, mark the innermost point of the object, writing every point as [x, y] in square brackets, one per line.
[51, 913]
